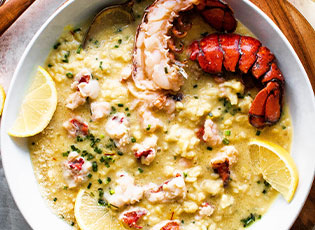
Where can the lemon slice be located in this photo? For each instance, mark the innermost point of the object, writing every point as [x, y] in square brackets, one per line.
[37, 107]
[2, 99]
[92, 216]
[276, 165]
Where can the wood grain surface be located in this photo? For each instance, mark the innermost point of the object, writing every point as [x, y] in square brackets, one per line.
[301, 35]
[10, 11]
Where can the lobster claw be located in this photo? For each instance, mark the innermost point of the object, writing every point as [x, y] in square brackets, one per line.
[266, 107]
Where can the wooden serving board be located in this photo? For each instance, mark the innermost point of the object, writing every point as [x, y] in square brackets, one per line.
[301, 35]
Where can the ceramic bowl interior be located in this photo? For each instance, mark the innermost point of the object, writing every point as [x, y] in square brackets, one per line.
[298, 94]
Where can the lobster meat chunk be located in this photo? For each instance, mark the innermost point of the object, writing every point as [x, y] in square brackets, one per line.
[234, 52]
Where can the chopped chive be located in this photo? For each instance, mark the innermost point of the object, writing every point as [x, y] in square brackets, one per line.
[89, 175]
[258, 132]
[195, 86]
[133, 139]
[140, 170]
[209, 148]
[128, 114]
[127, 109]
[100, 192]
[65, 154]
[284, 127]
[101, 65]
[69, 75]
[56, 45]
[94, 166]
[55, 199]
[165, 70]
[185, 174]
[102, 136]
[113, 109]
[225, 141]
[76, 30]
[100, 181]
[204, 34]
[66, 57]
[227, 132]
[111, 191]
[119, 41]
[108, 179]
[116, 46]
[89, 185]
[120, 153]
[119, 30]
[50, 65]
[90, 157]
[72, 223]
[196, 97]
[79, 49]
[148, 128]
[120, 105]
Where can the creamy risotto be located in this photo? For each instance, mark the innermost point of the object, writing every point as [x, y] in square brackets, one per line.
[163, 166]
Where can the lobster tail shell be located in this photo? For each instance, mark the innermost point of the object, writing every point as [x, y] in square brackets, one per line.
[247, 55]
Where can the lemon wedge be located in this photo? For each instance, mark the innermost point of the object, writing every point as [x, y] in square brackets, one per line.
[90, 215]
[2, 99]
[276, 165]
[38, 106]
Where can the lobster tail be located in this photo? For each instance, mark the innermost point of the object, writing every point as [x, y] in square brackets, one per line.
[248, 56]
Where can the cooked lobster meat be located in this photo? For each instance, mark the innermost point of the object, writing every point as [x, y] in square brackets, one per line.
[155, 68]
[232, 52]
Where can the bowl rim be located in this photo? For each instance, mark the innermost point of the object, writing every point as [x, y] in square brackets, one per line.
[62, 7]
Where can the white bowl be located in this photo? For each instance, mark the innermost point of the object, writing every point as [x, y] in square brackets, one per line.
[299, 95]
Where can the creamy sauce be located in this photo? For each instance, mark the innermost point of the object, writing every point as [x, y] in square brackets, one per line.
[177, 147]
